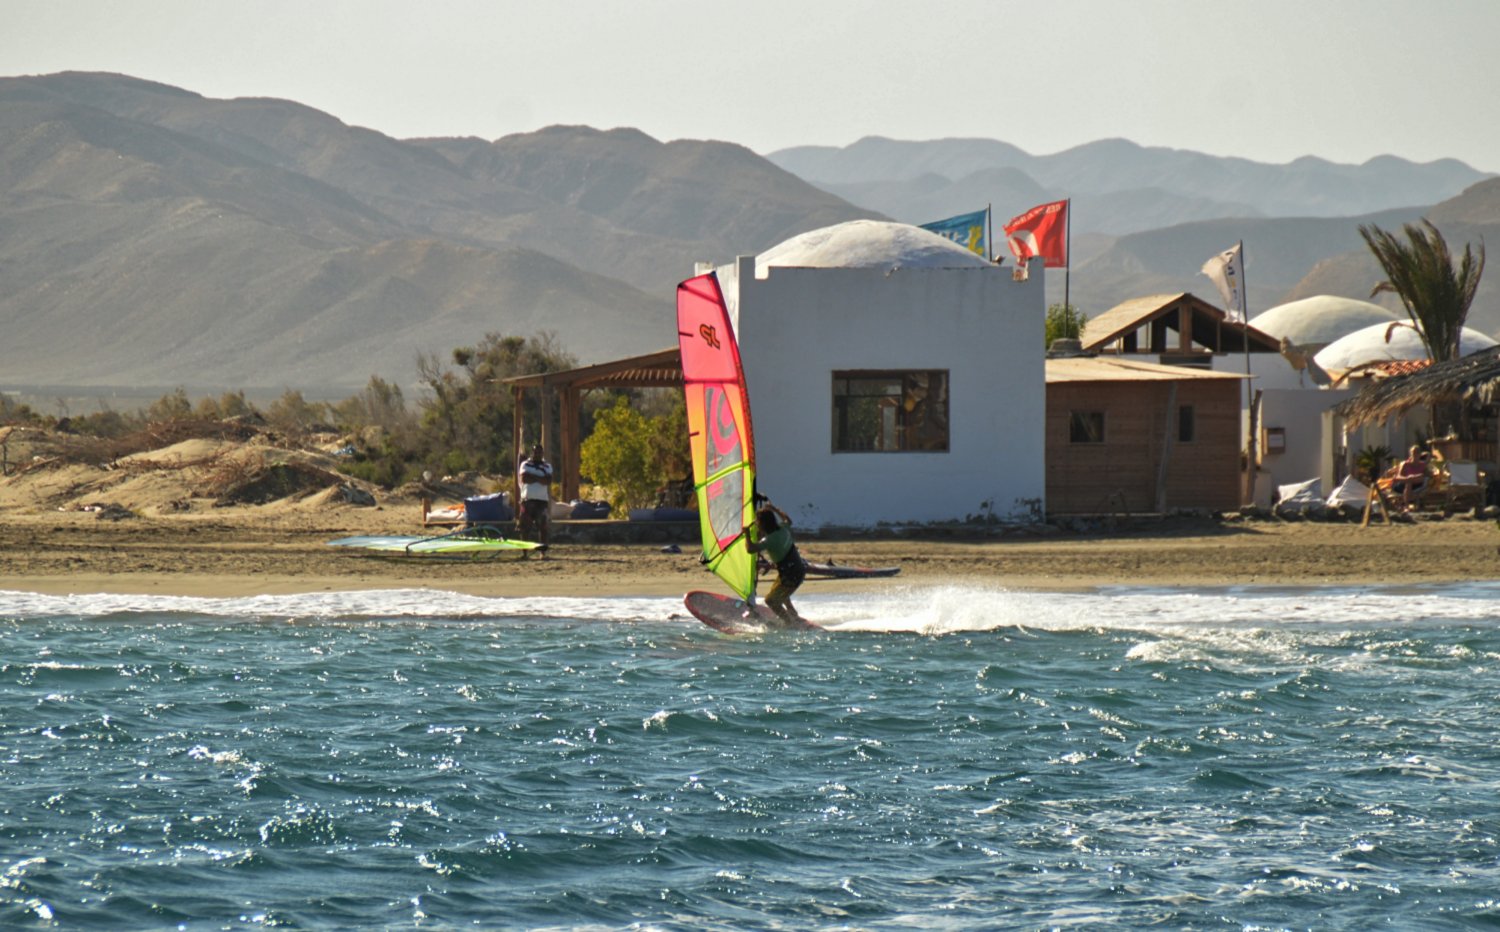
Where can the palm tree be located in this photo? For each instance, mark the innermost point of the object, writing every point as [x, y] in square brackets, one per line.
[1421, 273]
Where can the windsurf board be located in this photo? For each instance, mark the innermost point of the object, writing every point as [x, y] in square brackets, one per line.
[727, 614]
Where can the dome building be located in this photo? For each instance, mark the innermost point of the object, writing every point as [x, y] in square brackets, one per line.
[1313, 323]
[868, 244]
[1387, 342]
[894, 377]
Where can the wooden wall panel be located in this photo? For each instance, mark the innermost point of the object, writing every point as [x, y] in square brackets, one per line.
[1121, 474]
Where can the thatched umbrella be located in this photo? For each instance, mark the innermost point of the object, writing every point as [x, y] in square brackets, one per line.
[1473, 381]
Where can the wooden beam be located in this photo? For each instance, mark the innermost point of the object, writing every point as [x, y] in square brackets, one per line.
[1168, 435]
[518, 399]
[571, 445]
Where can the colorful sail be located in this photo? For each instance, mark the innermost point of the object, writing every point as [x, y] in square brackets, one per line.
[718, 412]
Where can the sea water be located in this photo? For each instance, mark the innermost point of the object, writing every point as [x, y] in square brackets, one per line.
[941, 758]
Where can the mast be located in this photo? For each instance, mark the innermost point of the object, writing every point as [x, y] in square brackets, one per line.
[1250, 445]
[1068, 269]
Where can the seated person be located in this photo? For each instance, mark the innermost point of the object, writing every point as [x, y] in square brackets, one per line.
[1409, 477]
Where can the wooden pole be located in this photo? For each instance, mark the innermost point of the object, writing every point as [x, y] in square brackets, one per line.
[1168, 436]
[518, 398]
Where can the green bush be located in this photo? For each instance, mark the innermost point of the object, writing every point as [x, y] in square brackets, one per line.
[1064, 322]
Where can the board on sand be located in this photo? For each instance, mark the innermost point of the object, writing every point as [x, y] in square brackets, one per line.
[469, 544]
[726, 613]
[832, 570]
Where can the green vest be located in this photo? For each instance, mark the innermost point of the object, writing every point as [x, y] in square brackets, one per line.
[778, 544]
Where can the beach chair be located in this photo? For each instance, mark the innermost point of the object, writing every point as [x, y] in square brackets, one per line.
[1379, 498]
[1463, 486]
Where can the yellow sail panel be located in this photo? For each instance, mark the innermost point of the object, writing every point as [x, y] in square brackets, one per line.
[719, 435]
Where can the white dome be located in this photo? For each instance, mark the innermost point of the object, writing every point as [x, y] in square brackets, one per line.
[1321, 319]
[868, 244]
[1369, 344]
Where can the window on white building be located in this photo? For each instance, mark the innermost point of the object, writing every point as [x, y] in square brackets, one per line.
[890, 411]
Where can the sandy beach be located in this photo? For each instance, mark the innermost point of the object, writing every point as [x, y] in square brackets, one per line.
[169, 521]
[283, 549]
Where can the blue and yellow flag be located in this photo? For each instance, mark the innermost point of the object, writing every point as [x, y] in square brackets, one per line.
[967, 230]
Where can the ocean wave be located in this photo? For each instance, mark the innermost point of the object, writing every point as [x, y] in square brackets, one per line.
[927, 611]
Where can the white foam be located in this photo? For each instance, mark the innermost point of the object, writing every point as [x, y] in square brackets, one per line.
[932, 611]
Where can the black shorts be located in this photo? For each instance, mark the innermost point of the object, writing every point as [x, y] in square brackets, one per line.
[791, 572]
[535, 509]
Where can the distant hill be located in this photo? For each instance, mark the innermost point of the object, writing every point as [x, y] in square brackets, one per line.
[1118, 187]
[150, 236]
[1279, 254]
[1472, 217]
[1285, 258]
[1145, 219]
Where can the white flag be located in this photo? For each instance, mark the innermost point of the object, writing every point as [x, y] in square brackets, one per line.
[1227, 272]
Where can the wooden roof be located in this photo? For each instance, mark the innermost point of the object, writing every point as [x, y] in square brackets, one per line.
[1209, 329]
[1118, 369]
[661, 369]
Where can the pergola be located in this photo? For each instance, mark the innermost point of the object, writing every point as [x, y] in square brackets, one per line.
[661, 369]
[1471, 382]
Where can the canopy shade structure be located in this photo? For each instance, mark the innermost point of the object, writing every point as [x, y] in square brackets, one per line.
[662, 369]
[1473, 380]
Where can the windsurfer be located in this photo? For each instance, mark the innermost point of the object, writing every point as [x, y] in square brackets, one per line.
[776, 540]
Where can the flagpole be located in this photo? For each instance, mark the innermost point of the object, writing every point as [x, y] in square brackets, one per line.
[1250, 444]
[1068, 269]
[989, 222]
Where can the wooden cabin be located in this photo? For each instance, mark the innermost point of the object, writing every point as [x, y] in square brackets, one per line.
[1127, 436]
[1176, 329]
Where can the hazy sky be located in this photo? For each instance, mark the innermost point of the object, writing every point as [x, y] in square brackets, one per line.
[1270, 80]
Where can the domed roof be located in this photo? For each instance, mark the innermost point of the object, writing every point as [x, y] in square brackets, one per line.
[868, 244]
[1369, 344]
[1321, 319]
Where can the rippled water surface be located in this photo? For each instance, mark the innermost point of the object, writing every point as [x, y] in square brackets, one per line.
[940, 759]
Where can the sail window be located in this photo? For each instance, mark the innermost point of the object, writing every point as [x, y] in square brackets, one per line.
[890, 411]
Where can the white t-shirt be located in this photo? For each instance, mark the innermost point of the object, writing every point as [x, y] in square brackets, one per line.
[536, 476]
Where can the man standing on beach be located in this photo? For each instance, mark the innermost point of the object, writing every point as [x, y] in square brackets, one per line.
[535, 477]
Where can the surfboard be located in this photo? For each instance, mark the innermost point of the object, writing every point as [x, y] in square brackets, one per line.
[832, 570]
[727, 614]
[840, 571]
[457, 545]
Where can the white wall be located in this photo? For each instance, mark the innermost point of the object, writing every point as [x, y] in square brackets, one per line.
[797, 326]
[1270, 370]
[1300, 413]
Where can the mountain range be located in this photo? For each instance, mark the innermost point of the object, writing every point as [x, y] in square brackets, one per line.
[152, 237]
[1118, 186]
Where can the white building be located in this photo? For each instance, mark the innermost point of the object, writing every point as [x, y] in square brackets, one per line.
[1313, 323]
[1387, 343]
[894, 377]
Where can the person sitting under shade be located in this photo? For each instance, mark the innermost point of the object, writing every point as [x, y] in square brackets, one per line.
[1409, 477]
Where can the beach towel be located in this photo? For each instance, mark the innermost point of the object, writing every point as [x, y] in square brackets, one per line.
[1350, 492]
[1300, 493]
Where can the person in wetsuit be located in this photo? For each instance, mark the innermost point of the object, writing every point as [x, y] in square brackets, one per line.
[776, 541]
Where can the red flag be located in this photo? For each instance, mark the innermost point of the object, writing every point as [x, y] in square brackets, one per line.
[1041, 231]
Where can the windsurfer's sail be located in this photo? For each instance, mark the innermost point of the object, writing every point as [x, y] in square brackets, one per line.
[718, 412]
